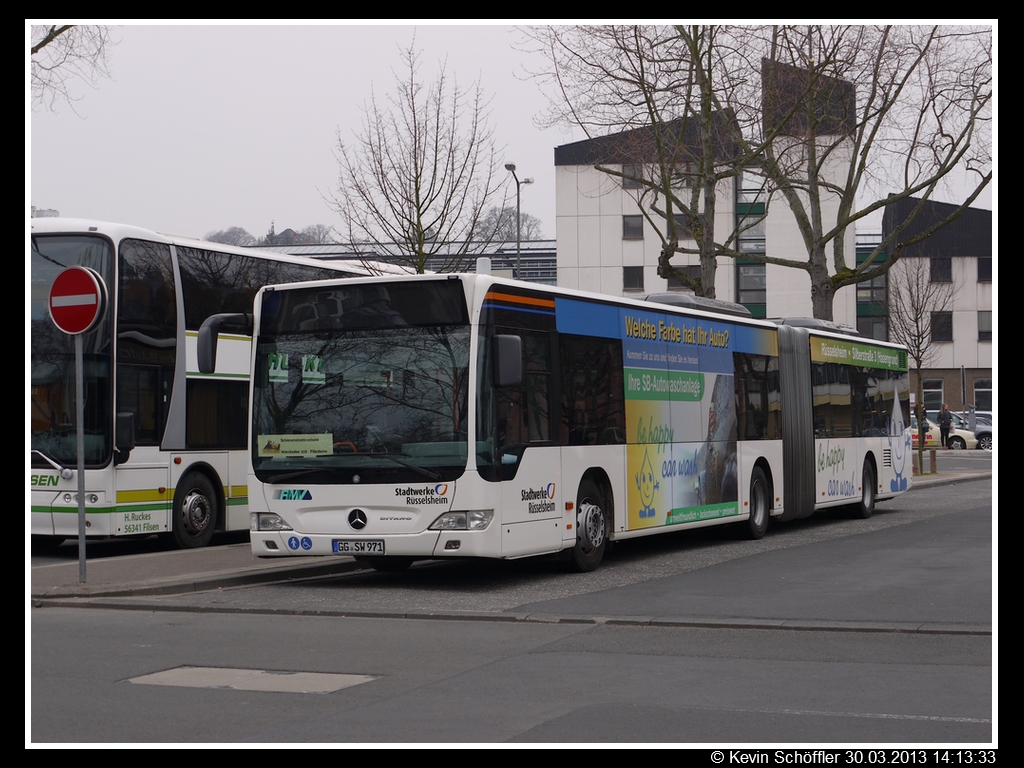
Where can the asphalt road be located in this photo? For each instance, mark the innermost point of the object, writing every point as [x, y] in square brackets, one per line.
[828, 631]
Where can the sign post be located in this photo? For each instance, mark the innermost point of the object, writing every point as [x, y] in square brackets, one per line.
[77, 301]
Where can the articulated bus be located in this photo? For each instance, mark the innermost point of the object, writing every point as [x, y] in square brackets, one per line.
[470, 416]
[165, 446]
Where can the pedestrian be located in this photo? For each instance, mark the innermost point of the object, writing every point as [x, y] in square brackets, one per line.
[945, 422]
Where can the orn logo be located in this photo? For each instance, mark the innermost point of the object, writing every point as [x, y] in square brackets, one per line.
[293, 494]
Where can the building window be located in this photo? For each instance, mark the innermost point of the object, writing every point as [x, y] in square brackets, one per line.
[632, 278]
[750, 227]
[682, 226]
[942, 326]
[873, 294]
[683, 175]
[692, 271]
[752, 284]
[873, 328]
[983, 394]
[751, 287]
[932, 389]
[631, 175]
[942, 269]
[872, 291]
[752, 187]
[985, 325]
[985, 270]
[632, 227]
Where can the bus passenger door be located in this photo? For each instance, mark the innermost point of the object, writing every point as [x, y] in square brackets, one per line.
[532, 503]
[143, 493]
[530, 493]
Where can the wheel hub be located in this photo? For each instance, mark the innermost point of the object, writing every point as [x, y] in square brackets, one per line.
[196, 512]
[590, 525]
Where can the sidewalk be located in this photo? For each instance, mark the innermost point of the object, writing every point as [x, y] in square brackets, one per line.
[196, 570]
[177, 571]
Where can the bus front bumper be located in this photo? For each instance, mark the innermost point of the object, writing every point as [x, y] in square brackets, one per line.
[459, 543]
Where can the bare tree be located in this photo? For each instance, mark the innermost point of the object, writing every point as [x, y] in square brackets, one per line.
[416, 181]
[63, 53]
[858, 117]
[500, 224]
[919, 309]
[833, 121]
[318, 234]
[231, 236]
[660, 88]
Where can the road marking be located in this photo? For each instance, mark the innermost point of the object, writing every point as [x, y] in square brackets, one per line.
[252, 680]
[870, 715]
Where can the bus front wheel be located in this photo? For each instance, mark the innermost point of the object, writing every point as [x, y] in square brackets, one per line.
[195, 511]
[591, 528]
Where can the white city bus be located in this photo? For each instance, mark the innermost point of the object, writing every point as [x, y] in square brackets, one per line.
[165, 446]
[469, 416]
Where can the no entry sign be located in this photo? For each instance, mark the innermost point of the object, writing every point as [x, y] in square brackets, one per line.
[77, 299]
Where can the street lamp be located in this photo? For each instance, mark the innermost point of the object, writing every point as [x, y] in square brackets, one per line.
[511, 167]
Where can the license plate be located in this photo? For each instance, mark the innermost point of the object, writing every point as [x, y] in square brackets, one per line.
[358, 546]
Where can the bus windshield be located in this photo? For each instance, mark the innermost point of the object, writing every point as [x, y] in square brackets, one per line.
[53, 356]
[362, 384]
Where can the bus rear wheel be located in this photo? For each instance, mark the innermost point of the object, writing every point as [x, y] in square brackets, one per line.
[591, 528]
[195, 511]
[866, 506]
[757, 523]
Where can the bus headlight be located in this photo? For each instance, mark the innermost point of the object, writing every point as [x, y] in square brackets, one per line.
[473, 520]
[263, 521]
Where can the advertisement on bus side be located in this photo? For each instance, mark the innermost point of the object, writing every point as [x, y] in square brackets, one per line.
[680, 407]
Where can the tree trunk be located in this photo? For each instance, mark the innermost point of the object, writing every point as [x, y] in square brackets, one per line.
[822, 291]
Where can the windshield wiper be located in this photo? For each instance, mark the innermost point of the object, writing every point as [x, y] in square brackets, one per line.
[65, 472]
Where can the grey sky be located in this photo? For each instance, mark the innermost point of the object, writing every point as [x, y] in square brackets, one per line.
[208, 127]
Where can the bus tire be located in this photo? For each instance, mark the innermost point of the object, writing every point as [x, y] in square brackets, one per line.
[591, 528]
[865, 508]
[195, 511]
[387, 564]
[760, 506]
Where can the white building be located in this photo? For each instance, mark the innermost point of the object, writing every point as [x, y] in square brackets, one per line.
[959, 371]
[605, 245]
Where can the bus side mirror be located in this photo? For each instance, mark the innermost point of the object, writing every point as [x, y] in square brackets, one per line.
[124, 436]
[508, 360]
[206, 343]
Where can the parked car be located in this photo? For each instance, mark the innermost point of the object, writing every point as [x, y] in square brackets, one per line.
[959, 439]
[983, 432]
[982, 428]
